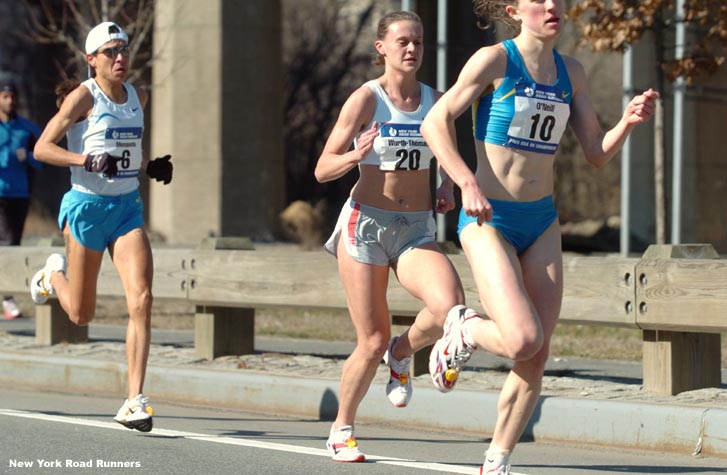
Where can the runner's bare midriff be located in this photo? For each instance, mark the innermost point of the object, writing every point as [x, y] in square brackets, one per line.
[512, 175]
[393, 190]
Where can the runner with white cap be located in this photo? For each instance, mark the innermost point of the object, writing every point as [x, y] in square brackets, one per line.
[103, 121]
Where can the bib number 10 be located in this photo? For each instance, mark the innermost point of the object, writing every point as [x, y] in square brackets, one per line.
[543, 131]
[408, 159]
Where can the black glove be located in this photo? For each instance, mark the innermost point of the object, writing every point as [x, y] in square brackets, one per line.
[103, 163]
[160, 169]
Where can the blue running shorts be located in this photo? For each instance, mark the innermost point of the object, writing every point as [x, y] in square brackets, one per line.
[520, 222]
[96, 220]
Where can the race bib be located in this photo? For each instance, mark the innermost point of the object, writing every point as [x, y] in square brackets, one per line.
[401, 147]
[125, 142]
[541, 114]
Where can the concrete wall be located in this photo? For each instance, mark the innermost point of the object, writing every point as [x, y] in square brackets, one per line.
[216, 108]
[705, 220]
[704, 172]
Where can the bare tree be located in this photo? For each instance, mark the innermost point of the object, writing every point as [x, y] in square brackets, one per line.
[613, 25]
[67, 22]
[327, 52]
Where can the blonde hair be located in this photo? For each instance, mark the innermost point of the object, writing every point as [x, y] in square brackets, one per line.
[489, 10]
[383, 28]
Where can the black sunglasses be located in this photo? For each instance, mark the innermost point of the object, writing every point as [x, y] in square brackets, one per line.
[114, 51]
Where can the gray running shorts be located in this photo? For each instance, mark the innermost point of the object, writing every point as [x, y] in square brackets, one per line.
[377, 236]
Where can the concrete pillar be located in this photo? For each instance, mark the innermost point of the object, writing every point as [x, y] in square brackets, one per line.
[216, 94]
[704, 219]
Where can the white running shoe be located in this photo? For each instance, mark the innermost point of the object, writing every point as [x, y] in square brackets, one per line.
[497, 465]
[136, 414]
[342, 444]
[451, 352]
[399, 389]
[40, 286]
[499, 470]
[10, 309]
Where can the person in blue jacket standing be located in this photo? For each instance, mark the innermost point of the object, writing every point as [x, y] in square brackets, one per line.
[17, 139]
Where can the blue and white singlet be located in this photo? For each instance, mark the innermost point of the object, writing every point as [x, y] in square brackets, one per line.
[521, 113]
[113, 128]
[399, 145]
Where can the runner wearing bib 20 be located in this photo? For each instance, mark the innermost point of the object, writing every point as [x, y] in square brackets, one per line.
[387, 224]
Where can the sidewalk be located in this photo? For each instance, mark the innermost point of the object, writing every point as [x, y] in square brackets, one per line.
[583, 401]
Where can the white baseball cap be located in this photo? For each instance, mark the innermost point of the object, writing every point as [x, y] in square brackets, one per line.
[102, 34]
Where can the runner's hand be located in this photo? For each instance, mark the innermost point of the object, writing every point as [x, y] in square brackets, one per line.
[641, 108]
[365, 141]
[103, 163]
[476, 205]
[160, 169]
[445, 198]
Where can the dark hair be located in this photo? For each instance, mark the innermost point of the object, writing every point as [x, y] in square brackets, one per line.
[489, 10]
[384, 24]
[64, 88]
[6, 85]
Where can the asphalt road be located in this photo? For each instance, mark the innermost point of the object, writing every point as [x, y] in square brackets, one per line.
[76, 435]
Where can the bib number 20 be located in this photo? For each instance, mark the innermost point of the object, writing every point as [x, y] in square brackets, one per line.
[408, 159]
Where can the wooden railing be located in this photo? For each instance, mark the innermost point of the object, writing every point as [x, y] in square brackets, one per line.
[677, 295]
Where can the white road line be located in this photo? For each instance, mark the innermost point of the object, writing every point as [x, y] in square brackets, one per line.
[245, 442]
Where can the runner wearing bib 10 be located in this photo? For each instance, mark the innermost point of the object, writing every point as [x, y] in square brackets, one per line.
[522, 93]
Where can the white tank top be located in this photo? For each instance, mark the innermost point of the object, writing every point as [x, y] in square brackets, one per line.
[113, 128]
[399, 145]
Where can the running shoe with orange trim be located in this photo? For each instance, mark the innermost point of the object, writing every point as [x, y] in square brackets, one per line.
[136, 414]
[342, 444]
[40, 286]
[451, 352]
[399, 389]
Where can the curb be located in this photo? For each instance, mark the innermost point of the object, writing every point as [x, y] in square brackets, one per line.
[684, 429]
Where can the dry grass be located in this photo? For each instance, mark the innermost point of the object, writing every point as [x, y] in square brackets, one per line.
[583, 341]
[587, 341]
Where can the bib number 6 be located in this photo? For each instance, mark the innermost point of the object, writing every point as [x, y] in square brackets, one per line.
[125, 161]
[408, 159]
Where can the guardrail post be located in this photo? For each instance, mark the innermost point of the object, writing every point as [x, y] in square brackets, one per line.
[52, 326]
[230, 243]
[220, 331]
[420, 359]
[675, 361]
